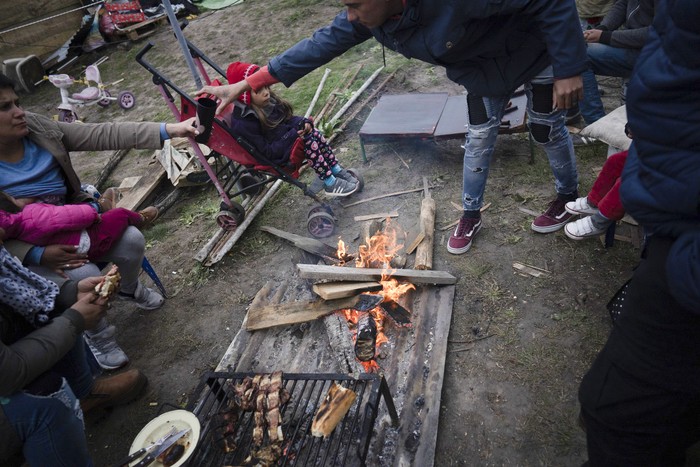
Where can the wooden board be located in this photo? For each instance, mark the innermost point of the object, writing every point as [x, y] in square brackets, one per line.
[333, 290]
[133, 198]
[269, 316]
[415, 352]
[335, 273]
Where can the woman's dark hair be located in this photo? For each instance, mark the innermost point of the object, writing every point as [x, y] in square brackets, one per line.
[6, 82]
[279, 103]
[7, 204]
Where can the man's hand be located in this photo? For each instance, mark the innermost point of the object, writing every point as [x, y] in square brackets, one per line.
[182, 129]
[91, 307]
[226, 93]
[60, 257]
[567, 92]
[592, 35]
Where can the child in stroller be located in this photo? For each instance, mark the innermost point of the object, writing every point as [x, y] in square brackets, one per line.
[267, 122]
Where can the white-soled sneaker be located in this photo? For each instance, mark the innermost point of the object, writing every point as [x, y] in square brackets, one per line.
[341, 188]
[583, 228]
[143, 297]
[105, 348]
[581, 206]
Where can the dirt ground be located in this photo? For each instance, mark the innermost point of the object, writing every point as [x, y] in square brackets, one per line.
[518, 344]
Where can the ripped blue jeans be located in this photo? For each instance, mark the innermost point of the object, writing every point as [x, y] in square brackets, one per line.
[481, 140]
[50, 427]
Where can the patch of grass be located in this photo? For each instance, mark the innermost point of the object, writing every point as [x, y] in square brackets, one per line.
[195, 211]
[156, 234]
[198, 276]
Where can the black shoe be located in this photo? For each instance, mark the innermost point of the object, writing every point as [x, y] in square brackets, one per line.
[573, 115]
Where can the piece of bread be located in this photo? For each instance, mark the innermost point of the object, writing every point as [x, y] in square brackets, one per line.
[109, 284]
[332, 410]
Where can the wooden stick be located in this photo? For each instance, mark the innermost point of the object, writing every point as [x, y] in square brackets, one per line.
[335, 273]
[356, 94]
[424, 252]
[318, 93]
[109, 167]
[381, 215]
[383, 196]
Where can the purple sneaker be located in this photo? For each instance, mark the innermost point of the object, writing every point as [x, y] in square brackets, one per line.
[554, 218]
[461, 239]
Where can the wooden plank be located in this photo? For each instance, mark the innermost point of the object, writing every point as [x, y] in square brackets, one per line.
[294, 312]
[333, 290]
[335, 273]
[134, 197]
[307, 244]
[529, 270]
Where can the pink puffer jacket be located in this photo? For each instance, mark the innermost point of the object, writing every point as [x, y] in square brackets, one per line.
[45, 224]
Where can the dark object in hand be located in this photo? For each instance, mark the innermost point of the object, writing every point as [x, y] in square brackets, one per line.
[366, 338]
[171, 455]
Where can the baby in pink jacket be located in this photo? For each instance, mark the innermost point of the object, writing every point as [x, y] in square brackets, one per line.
[71, 224]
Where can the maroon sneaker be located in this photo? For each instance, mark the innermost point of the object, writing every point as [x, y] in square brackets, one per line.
[553, 219]
[461, 239]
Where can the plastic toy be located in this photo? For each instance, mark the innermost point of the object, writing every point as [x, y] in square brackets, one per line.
[95, 93]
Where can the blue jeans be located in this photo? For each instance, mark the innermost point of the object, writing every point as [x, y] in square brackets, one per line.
[604, 60]
[51, 427]
[481, 140]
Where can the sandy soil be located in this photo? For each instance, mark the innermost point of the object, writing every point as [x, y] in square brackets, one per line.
[518, 345]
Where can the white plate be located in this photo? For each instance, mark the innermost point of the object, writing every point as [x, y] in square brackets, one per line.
[163, 423]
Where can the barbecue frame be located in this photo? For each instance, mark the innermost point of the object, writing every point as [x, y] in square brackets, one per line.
[355, 430]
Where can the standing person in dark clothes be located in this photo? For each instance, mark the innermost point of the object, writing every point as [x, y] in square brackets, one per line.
[489, 47]
[640, 400]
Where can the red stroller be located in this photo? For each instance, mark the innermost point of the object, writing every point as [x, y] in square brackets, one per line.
[239, 169]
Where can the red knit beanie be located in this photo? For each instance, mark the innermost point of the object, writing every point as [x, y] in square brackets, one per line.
[238, 71]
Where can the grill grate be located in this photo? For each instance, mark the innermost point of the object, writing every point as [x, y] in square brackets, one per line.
[347, 445]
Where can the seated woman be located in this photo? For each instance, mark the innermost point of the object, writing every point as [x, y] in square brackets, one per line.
[35, 163]
[44, 367]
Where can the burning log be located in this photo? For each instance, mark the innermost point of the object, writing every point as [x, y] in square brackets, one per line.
[332, 410]
[398, 313]
[366, 341]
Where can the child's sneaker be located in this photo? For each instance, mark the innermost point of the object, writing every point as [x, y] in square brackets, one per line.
[346, 175]
[583, 228]
[341, 187]
[581, 206]
[143, 297]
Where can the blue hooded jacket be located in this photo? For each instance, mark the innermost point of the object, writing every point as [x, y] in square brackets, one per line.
[661, 180]
[488, 46]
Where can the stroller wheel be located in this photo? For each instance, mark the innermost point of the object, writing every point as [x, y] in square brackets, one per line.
[320, 224]
[67, 116]
[247, 181]
[230, 217]
[126, 100]
[320, 208]
[106, 101]
[355, 173]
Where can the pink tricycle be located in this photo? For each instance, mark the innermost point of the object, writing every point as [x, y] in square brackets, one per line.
[95, 93]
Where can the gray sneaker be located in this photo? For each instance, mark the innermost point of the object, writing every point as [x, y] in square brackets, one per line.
[341, 188]
[347, 176]
[143, 297]
[105, 348]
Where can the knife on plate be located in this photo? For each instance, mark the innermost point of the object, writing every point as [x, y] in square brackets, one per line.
[151, 456]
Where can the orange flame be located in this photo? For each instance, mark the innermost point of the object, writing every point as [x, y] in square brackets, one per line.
[342, 250]
[379, 249]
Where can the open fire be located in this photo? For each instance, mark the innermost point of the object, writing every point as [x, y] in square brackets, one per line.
[368, 327]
